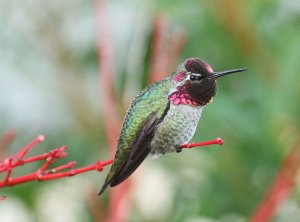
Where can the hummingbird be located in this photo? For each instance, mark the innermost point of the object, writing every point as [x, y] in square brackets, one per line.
[164, 116]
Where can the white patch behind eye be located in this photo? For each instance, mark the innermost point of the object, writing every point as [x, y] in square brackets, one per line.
[195, 74]
[192, 74]
[182, 82]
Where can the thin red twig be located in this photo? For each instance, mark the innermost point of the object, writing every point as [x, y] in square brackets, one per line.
[22, 153]
[112, 119]
[16, 161]
[43, 173]
[218, 141]
[166, 48]
[177, 42]
[62, 167]
[19, 156]
[160, 46]
[280, 189]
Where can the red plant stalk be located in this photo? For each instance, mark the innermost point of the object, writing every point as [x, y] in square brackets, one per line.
[280, 189]
[160, 47]
[217, 141]
[166, 48]
[177, 42]
[43, 173]
[112, 119]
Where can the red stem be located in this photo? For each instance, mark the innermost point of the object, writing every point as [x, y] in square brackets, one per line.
[42, 176]
[165, 48]
[177, 42]
[62, 167]
[3, 167]
[21, 154]
[57, 153]
[160, 46]
[112, 119]
[9, 171]
[218, 141]
[280, 189]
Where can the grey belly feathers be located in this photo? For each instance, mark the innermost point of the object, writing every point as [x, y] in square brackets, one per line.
[177, 128]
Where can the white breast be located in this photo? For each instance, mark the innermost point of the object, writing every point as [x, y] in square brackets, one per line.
[177, 128]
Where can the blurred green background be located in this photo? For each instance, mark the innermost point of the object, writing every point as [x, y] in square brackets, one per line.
[49, 84]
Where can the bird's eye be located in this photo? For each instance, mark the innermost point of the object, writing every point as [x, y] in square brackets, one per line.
[194, 77]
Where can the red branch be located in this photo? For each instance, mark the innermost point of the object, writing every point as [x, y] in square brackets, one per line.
[217, 141]
[280, 189]
[166, 48]
[159, 53]
[111, 118]
[43, 173]
[177, 43]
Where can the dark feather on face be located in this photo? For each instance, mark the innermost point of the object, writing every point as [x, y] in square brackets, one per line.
[202, 91]
[201, 88]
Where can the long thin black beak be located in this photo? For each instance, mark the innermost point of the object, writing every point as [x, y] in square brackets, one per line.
[224, 73]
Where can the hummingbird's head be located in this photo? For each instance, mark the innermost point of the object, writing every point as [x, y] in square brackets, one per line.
[195, 82]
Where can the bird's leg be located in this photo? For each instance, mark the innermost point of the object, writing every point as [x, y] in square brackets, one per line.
[178, 149]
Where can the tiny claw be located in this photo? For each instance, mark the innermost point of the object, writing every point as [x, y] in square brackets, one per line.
[179, 150]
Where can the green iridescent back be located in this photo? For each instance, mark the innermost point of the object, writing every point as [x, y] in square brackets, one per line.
[154, 98]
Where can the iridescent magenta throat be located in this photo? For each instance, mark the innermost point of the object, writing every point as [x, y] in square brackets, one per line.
[182, 98]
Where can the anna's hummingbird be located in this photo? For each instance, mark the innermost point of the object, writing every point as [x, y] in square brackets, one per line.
[164, 116]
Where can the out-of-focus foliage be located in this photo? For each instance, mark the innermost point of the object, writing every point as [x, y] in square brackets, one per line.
[49, 84]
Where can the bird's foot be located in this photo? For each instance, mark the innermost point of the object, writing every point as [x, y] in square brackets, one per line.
[178, 150]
